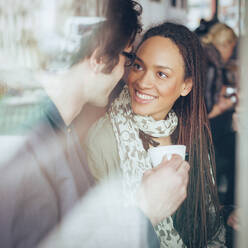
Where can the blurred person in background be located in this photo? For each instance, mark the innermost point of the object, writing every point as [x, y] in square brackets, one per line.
[219, 44]
[205, 25]
[221, 98]
[163, 103]
[41, 184]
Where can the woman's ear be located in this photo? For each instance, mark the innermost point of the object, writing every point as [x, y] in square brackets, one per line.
[187, 87]
[96, 63]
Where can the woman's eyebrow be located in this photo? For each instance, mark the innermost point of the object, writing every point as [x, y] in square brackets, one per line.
[157, 66]
[163, 67]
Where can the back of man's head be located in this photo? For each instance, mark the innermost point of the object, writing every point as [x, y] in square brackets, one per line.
[110, 36]
[55, 35]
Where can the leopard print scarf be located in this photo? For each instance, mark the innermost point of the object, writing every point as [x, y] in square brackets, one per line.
[134, 160]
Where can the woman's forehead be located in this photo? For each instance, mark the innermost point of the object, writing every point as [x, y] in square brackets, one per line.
[160, 50]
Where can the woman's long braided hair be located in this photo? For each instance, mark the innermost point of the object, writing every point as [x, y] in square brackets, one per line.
[198, 218]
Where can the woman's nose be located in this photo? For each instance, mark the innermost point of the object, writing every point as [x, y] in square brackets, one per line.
[145, 81]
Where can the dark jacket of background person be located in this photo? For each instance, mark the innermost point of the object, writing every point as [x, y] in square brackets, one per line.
[214, 82]
[42, 182]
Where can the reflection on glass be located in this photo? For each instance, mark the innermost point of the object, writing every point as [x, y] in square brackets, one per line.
[41, 34]
[37, 36]
[198, 10]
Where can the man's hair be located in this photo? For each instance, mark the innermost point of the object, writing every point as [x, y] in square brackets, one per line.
[111, 36]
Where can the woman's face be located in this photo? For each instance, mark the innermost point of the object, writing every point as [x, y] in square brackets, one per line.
[156, 79]
[226, 50]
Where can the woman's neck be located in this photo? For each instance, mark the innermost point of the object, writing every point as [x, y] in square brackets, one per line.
[163, 141]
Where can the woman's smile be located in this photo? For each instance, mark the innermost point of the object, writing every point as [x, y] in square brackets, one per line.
[142, 97]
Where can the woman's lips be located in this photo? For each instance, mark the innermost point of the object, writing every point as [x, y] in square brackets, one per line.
[142, 97]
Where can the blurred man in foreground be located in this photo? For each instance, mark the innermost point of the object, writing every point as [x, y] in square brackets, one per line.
[101, 220]
[48, 175]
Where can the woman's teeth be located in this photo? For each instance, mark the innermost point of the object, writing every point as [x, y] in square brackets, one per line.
[145, 97]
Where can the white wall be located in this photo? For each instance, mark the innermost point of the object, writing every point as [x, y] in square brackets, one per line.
[242, 165]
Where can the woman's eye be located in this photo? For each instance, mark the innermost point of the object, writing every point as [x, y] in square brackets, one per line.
[137, 67]
[162, 75]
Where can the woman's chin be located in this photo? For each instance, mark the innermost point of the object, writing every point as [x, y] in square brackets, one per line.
[139, 112]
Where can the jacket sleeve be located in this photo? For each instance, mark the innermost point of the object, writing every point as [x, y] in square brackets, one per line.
[210, 88]
[101, 149]
[220, 238]
[101, 220]
[28, 205]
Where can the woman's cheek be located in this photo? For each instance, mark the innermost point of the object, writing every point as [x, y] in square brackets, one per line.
[166, 89]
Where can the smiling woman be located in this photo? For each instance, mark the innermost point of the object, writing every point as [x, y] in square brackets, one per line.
[156, 79]
[163, 104]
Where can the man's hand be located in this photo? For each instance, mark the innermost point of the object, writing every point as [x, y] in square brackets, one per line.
[163, 188]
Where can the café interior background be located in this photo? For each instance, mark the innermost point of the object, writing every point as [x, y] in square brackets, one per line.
[23, 51]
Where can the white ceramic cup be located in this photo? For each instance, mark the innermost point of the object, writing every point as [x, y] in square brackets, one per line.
[157, 153]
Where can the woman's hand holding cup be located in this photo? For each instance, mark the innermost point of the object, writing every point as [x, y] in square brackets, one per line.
[163, 188]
